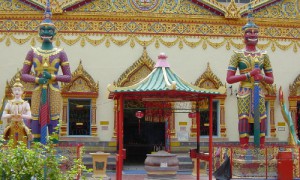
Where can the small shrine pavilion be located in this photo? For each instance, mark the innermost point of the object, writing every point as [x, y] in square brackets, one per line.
[161, 85]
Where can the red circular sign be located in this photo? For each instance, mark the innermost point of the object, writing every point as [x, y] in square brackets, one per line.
[139, 114]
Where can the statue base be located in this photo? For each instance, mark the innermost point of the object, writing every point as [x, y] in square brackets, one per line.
[252, 162]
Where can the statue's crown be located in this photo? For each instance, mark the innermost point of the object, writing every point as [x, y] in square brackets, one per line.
[47, 16]
[18, 83]
[250, 24]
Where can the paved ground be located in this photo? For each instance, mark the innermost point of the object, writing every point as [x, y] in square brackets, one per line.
[179, 177]
[112, 176]
[138, 173]
[143, 176]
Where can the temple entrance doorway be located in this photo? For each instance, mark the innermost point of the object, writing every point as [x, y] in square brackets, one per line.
[141, 137]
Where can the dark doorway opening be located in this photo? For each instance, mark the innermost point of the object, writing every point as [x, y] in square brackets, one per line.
[141, 137]
[79, 117]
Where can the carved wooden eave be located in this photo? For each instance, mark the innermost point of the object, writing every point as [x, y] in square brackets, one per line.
[269, 89]
[208, 80]
[233, 10]
[294, 89]
[81, 85]
[212, 5]
[257, 5]
[140, 69]
[57, 6]
[28, 86]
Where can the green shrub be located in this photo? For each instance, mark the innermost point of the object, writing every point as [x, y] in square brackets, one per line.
[39, 162]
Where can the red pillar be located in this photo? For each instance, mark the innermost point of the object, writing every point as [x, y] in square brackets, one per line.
[120, 139]
[210, 136]
[198, 139]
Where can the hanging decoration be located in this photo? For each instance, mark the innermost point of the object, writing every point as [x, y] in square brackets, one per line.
[158, 111]
[139, 115]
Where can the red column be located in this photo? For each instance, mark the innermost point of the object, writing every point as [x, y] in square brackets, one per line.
[198, 139]
[210, 136]
[120, 139]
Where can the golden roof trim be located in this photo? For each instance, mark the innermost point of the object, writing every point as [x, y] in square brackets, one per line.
[144, 60]
[208, 75]
[293, 88]
[80, 72]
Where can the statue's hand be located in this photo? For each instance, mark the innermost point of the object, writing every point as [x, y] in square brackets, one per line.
[43, 81]
[258, 77]
[46, 75]
[17, 117]
[254, 72]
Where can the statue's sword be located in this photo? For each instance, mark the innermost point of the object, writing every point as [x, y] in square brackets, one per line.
[256, 100]
[44, 110]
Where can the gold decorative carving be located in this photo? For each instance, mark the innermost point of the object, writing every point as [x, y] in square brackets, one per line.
[136, 72]
[81, 82]
[15, 5]
[208, 80]
[157, 40]
[56, 6]
[119, 23]
[232, 11]
[215, 4]
[294, 89]
[283, 9]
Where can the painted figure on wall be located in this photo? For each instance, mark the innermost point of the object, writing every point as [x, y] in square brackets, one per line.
[46, 98]
[254, 66]
[15, 111]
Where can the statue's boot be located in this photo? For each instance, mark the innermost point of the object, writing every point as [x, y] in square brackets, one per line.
[244, 141]
[262, 142]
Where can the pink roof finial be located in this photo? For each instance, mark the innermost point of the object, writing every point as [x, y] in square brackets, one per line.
[162, 61]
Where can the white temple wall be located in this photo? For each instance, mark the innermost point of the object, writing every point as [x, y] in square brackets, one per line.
[106, 64]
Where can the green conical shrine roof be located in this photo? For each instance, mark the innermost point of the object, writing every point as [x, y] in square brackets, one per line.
[162, 81]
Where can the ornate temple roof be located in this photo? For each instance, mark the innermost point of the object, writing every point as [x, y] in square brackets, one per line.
[163, 79]
[214, 6]
[218, 8]
[153, 22]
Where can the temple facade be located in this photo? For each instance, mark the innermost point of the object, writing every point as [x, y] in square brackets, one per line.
[118, 42]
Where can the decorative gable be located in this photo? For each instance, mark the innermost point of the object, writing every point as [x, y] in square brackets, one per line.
[208, 80]
[136, 72]
[81, 83]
